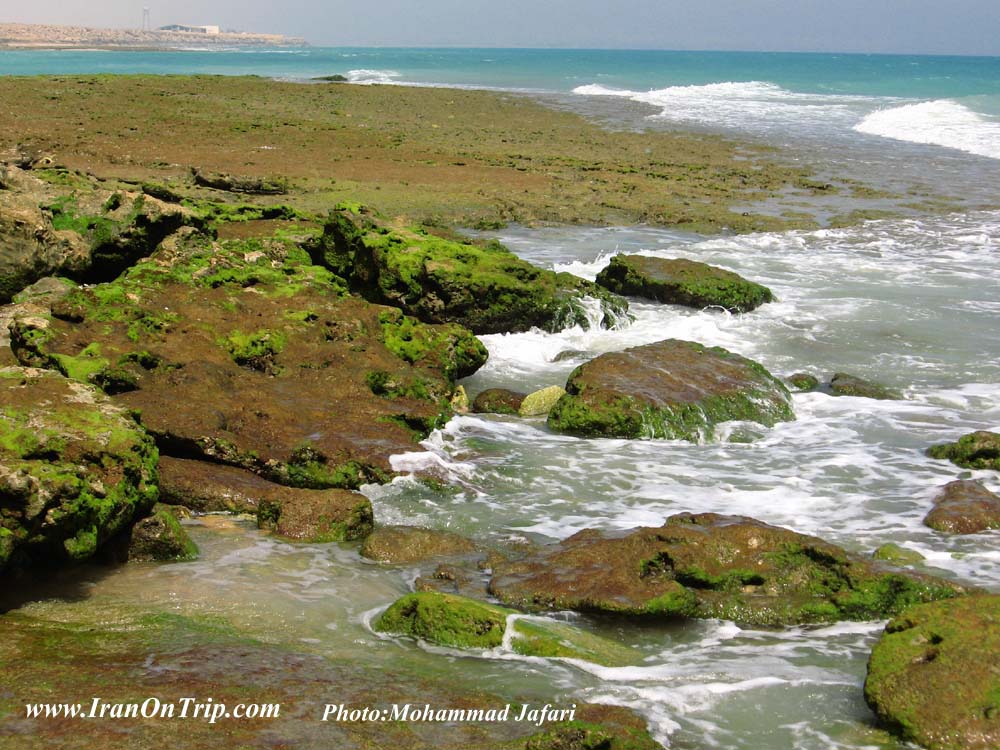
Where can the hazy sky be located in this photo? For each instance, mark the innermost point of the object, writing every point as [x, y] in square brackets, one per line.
[929, 26]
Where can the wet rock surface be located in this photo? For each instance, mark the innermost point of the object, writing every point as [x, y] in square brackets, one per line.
[977, 450]
[934, 676]
[678, 281]
[842, 384]
[539, 403]
[160, 537]
[670, 389]
[482, 286]
[964, 507]
[712, 566]
[317, 516]
[244, 353]
[497, 401]
[75, 469]
[410, 544]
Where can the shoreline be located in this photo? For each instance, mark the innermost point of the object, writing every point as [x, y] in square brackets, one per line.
[453, 156]
[56, 37]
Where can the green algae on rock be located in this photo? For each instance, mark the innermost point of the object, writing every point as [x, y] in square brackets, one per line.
[964, 507]
[842, 384]
[934, 676]
[75, 469]
[891, 552]
[317, 516]
[539, 403]
[977, 450]
[678, 281]
[410, 544]
[480, 285]
[450, 620]
[803, 381]
[160, 537]
[244, 353]
[712, 566]
[669, 389]
[497, 401]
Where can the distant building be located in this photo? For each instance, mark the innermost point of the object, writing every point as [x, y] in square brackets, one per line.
[190, 29]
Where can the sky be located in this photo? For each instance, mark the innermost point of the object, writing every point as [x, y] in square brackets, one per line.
[970, 27]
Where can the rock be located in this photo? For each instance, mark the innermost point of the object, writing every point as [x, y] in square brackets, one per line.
[75, 469]
[159, 537]
[410, 544]
[670, 389]
[540, 403]
[482, 286]
[497, 401]
[460, 400]
[934, 676]
[803, 381]
[712, 566]
[30, 301]
[596, 728]
[977, 450]
[893, 553]
[682, 282]
[318, 516]
[69, 227]
[240, 183]
[842, 384]
[449, 620]
[964, 507]
[243, 353]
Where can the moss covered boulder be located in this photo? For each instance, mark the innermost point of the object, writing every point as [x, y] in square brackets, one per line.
[977, 450]
[482, 286]
[596, 728]
[317, 516]
[75, 469]
[712, 566]
[160, 537]
[843, 384]
[497, 401]
[410, 544]
[934, 676]
[539, 403]
[670, 389]
[964, 507]
[678, 281]
[449, 620]
[244, 353]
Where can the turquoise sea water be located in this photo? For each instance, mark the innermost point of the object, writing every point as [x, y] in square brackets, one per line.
[910, 301]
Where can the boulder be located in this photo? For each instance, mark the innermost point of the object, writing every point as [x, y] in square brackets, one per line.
[595, 728]
[891, 552]
[670, 389]
[317, 516]
[678, 281]
[964, 507]
[482, 286]
[243, 353]
[842, 384]
[803, 381]
[240, 183]
[934, 675]
[75, 469]
[712, 566]
[449, 620]
[160, 537]
[539, 403]
[977, 450]
[497, 401]
[403, 545]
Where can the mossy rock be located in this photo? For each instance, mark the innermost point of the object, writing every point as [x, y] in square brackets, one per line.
[670, 389]
[409, 544]
[480, 285]
[893, 553]
[842, 384]
[450, 620]
[964, 507]
[934, 676]
[160, 537]
[803, 381]
[977, 450]
[75, 469]
[317, 516]
[712, 566]
[245, 353]
[679, 281]
[539, 403]
[497, 401]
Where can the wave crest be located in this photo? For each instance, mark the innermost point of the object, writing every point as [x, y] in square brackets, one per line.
[942, 122]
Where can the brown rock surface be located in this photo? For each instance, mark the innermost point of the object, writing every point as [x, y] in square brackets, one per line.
[410, 544]
[964, 507]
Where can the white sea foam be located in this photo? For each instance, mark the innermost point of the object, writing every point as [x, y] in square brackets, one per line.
[367, 75]
[942, 122]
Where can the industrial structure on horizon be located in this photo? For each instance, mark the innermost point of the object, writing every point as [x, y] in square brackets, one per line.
[190, 29]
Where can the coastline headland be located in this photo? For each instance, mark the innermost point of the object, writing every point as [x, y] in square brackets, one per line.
[39, 36]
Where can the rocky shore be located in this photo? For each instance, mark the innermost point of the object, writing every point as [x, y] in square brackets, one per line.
[20, 35]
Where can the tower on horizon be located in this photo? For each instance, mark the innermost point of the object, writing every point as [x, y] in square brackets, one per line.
[146, 25]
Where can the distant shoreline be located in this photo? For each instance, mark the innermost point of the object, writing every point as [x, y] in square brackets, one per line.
[36, 36]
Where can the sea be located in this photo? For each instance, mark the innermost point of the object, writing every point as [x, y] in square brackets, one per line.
[911, 301]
